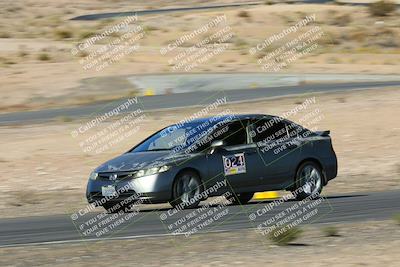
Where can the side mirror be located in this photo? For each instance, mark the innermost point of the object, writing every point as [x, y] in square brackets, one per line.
[215, 145]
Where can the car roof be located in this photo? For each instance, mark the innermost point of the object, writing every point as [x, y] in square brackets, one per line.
[234, 117]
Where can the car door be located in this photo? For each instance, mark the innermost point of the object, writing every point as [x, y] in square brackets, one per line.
[279, 150]
[237, 160]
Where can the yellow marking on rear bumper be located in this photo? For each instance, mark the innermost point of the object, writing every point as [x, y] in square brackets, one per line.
[266, 195]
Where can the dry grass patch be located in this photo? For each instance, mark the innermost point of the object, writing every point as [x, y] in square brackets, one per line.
[382, 8]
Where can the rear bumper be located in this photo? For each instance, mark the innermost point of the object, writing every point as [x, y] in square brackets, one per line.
[330, 167]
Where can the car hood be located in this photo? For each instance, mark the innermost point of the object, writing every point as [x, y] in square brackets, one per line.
[142, 160]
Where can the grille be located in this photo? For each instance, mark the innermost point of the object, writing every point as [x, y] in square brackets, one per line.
[116, 176]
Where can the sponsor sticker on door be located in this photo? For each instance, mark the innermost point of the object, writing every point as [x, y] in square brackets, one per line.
[234, 164]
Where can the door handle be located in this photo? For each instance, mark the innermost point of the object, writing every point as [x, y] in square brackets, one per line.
[292, 145]
[250, 152]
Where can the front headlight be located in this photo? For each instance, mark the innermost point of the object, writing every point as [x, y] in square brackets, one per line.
[151, 171]
[93, 175]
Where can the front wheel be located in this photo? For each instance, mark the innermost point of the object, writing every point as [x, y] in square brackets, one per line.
[186, 190]
[309, 181]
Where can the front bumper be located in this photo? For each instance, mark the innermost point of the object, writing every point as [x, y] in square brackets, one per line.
[148, 189]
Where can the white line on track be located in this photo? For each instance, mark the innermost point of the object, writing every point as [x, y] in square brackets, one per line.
[103, 239]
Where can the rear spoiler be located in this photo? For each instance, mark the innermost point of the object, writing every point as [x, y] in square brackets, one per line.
[323, 133]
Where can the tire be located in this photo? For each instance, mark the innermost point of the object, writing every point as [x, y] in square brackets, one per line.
[186, 190]
[309, 181]
[242, 198]
[115, 207]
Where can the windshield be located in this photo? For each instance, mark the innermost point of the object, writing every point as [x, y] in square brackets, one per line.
[187, 136]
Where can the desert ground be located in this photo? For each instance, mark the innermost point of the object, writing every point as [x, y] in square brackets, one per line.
[45, 170]
[36, 38]
[313, 248]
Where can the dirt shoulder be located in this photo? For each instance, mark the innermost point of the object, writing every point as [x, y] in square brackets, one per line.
[368, 244]
[38, 69]
[45, 170]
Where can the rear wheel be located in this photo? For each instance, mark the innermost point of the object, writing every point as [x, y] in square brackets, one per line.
[186, 190]
[242, 198]
[309, 181]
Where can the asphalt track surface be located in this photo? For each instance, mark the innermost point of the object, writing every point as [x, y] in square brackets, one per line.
[185, 9]
[173, 101]
[180, 9]
[148, 223]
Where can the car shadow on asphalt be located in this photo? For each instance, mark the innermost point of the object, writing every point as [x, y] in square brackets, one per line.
[294, 200]
[267, 201]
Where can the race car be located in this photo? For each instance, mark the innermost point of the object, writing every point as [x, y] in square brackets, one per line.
[192, 160]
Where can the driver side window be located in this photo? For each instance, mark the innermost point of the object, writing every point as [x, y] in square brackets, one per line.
[234, 134]
[231, 133]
